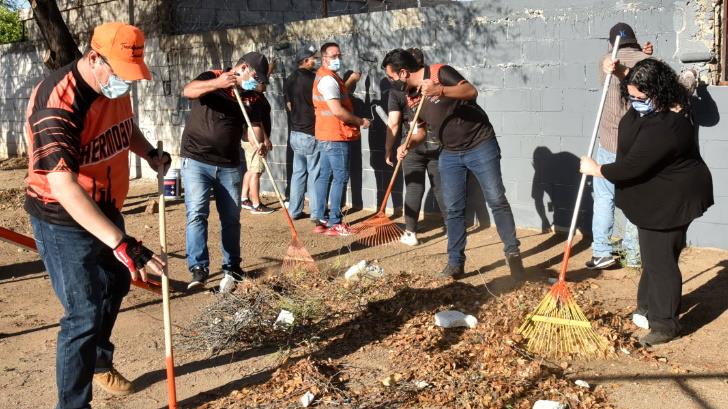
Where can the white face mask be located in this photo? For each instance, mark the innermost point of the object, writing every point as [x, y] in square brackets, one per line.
[335, 65]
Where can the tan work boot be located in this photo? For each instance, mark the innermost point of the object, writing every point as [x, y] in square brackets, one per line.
[113, 382]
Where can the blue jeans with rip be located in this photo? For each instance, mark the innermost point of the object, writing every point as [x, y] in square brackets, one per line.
[200, 180]
[603, 217]
[483, 161]
[334, 169]
[90, 283]
[305, 171]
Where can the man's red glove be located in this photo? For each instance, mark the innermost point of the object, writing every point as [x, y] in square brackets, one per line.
[132, 254]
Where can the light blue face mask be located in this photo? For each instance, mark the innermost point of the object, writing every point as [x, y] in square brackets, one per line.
[250, 84]
[335, 65]
[643, 107]
[115, 87]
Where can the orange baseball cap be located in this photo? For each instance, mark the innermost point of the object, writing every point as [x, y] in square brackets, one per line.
[122, 45]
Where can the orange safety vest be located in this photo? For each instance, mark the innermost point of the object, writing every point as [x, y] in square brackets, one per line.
[328, 126]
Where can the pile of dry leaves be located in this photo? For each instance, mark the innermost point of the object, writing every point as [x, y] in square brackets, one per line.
[374, 344]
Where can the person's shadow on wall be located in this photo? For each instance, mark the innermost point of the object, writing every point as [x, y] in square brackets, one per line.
[704, 110]
[376, 138]
[557, 175]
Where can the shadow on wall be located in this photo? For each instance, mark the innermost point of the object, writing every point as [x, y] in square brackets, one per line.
[557, 175]
[704, 110]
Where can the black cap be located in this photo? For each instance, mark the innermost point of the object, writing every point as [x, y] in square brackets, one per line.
[259, 63]
[626, 33]
[306, 52]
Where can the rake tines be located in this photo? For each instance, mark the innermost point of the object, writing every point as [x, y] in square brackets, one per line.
[377, 230]
[298, 259]
[559, 328]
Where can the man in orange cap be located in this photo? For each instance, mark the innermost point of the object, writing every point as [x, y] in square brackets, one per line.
[80, 129]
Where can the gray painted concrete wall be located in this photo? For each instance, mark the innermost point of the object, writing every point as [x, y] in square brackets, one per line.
[533, 62]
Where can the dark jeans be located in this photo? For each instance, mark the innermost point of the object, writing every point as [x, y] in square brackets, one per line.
[483, 161]
[416, 164]
[334, 170]
[660, 287]
[90, 284]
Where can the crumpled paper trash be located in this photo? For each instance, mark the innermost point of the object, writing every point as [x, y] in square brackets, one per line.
[452, 319]
[285, 318]
[363, 268]
[548, 404]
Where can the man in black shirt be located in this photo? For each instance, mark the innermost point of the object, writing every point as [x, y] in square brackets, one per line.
[469, 144]
[211, 159]
[298, 92]
[421, 161]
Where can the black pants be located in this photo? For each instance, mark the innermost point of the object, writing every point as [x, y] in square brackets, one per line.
[660, 287]
[416, 164]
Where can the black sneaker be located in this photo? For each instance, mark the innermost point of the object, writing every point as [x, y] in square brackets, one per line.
[656, 338]
[600, 262]
[261, 209]
[515, 264]
[199, 277]
[235, 271]
[452, 270]
[246, 204]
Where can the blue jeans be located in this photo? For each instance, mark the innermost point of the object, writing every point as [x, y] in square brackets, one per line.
[200, 180]
[484, 163]
[305, 171]
[90, 284]
[335, 170]
[603, 217]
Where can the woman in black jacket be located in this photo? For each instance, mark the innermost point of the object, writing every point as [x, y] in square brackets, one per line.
[661, 183]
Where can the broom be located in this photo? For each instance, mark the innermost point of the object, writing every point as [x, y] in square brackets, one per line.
[379, 228]
[558, 327]
[297, 258]
[168, 352]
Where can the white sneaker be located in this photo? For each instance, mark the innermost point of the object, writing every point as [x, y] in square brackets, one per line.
[640, 321]
[409, 238]
[228, 284]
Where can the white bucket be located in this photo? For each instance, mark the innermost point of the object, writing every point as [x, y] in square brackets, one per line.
[172, 185]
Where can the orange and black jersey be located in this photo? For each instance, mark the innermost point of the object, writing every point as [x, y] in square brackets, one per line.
[71, 128]
[215, 124]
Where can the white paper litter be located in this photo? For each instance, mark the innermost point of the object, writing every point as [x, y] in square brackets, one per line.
[582, 384]
[364, 268]
[285, 318]
[307, 399]
[452, 319]
[548, 404]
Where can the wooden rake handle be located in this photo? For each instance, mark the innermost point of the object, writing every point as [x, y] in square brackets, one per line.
[168, 352]
[582, 182]
[399, 162]
[254, 140]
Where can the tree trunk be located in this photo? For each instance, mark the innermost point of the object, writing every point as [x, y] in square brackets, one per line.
[62, 48]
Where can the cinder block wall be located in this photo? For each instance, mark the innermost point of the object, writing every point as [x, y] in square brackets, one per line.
[533, 62]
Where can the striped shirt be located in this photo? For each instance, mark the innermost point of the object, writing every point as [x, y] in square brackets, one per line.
[71, 128]
[614, 106]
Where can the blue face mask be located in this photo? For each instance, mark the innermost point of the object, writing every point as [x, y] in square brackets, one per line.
[250, 85]
[643, 107]
[335, 65]
[115, 88]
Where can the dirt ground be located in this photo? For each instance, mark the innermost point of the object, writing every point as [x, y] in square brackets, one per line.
[687, 373]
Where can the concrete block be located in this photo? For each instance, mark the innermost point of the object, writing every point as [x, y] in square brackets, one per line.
[517, 169]
[715, 153]
[577, 51]
[703, 234]
[560, 123]
[521, 123]
[552, 99]
[580, 100]
[260, 5]
[486, 78]
[570, 76]
[720, 187]
[541, 51]
[656, 20]
[529, 76]
[510, 145]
